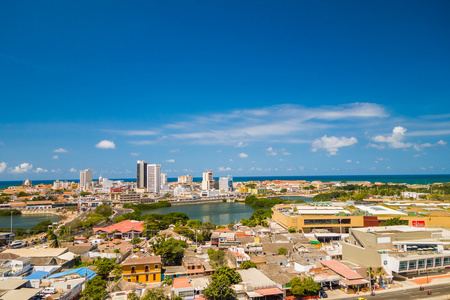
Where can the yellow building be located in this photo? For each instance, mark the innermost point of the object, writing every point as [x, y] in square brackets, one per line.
[142, 269]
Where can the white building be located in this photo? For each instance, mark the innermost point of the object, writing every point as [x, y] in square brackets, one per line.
[163, 179]
[85, 179]
[208, 181]
[186, 179]
[141, 174]
[153, 178]
[226, 184]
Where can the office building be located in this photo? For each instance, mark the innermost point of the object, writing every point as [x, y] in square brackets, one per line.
[85, 179]
[226, 184]
[163, 179]
[153, 178]
[208, 181]
[186, 179]
[141, 175]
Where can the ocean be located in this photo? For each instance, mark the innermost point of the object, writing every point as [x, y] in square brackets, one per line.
[409, 179]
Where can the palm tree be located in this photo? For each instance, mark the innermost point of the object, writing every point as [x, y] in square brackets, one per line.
[371, 274]
[55, 243]
[379, 272]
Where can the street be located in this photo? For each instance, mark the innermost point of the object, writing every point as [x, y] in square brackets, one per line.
[437, 291]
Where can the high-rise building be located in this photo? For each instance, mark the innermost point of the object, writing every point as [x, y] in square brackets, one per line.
[187, 179]
[141, 175]
[85, 179]
[226, 184]
[153, 178]
[208, 181]
[163, 179]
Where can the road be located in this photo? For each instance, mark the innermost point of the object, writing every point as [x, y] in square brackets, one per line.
[439, 290]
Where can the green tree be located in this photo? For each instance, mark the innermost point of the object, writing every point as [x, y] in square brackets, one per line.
[104, 266]
[217, 258]
[95, 289]
[304, 286]
[282, 251]
[166, 195]
[292, 230]
[136, 241]
[155, 294]
[104, 210]
[233, 276]
[394, 222]
[219, 289]
[283, 191]
[170, 249]
[133, 296]
[247, 265]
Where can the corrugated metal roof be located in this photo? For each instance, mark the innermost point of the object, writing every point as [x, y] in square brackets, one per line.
[81, 271]
[37, 275]
[342, 270]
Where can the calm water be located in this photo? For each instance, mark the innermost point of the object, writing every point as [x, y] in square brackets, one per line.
[25, 221]
[217, 213]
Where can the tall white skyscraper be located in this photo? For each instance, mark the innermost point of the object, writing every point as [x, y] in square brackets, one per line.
[85, 179]
[141, 175]
[163, 179]
[153, 178]
[226, 184]
[208, 181]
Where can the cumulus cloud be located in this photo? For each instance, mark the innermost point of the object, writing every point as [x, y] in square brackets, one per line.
[174, 150]
[22, 168]
[105, 144]
[332, 143]
[241, 145]
[134, 154]
[3, 167]
[395, 140]
[40, 170]
[284, 152]
[376, 146]
[270, 151]
[243, 155]
[55, 157]
[60, 150]
[348, 161]
[170, 160]
[222, 169]
[73, 170]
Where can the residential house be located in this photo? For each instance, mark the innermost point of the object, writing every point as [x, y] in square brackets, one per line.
[127, 230]
[143, 269]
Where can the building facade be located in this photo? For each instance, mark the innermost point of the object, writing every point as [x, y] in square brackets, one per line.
[85, 179]
[142, 269]
[153, 178]
[208, 181]
[141, 174]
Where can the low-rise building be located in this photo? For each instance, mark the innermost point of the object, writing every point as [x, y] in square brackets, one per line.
[142, 269]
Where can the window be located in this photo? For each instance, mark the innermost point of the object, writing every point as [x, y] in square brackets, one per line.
[137, 278]
[146, 278]
[446, 260]
[156, 267]
[438, 262]
[133, 269]
[154, 277]
[421, 264]
[402, 265]
[69, 286]
[430, 263]
[412, 264]
[146, 268]
[129, 279]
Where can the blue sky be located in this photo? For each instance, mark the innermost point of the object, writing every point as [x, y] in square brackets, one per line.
[244, 88]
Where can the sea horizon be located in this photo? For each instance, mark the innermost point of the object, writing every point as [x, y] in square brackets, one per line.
[400, 178]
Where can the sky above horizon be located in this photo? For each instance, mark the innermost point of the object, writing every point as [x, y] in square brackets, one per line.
[241, 88]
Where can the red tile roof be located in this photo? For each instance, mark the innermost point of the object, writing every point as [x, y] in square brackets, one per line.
[181, 283]
[123, 227]
[340, 269]
[269, 291]
[141, 260]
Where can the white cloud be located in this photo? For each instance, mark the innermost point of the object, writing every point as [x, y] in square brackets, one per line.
[430, 132]
[3, 167]
[441, 142]
[40, 170]
[134, 154]
[22, 168]
[357, 162]
[105, 144]
[243, 155]
[241, 145]
[144, 142]
[73, 170]
[55, 157]
[170, 160]
[60, 150]
[332, 143]
[239, 169]
[258, 169]
[270, 151]
[56, 171]
[348, 161]
[395, 140]
[284, 152]
[230, 160]
[174, 150]
[222, 169]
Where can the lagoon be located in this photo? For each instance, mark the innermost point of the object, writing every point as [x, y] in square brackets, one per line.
[220, 213]
[26, 221]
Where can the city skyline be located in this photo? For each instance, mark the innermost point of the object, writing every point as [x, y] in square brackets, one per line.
[285, 89]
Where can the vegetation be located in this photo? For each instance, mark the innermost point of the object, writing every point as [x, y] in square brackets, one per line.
[104, 210]
[95, 289]
[158, 294]
[220, 287]
[40, 227]
[170, 249]
[257, 218]
[394, 222]
[217, 258]
[282, 251]
[304, 286]
[292, 230]
[8, 212]
[247, 265]
[262, 203]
